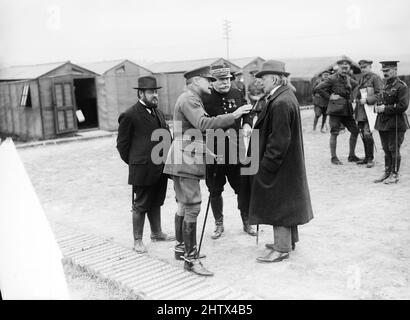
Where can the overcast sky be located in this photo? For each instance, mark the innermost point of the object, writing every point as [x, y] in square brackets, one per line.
[40, 31]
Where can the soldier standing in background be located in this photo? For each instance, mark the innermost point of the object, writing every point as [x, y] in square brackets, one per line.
[320, 101]
[392, 121]
[237, 83]
[255, 88]
[372, 83]
[340, 109]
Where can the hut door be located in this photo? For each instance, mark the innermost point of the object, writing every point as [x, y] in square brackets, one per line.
[64, 105]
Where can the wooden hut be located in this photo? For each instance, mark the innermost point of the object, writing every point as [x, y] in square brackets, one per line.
[247, 65]
[170, 77]
[115, 91]
[40, 101]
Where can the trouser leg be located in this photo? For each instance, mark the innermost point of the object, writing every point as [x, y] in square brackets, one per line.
[217, 208]
[138, 219]
[282, 239]
[333, 144]
[324, 116]
[154, 217]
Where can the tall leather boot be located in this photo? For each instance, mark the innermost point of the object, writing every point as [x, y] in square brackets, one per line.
[179, 248]
[192, 262]
[217, 209]
[366, 152]
[246, 226]
[352, 147]
[154, 217]
[387, 168]
[138, 219]
[394, 175]
[333, 144]
[370, 152]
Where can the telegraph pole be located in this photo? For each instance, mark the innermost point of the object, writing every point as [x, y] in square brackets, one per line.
[227, 32]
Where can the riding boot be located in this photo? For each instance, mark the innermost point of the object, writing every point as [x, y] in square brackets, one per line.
[154, 217]
[333, 144]
[246, 226]
[370, 151]
[192, 262]
[366, 152]
[217, 209]
[352, 146]
[179, 248]
[387, 168]
[138, 219]
[394, 175]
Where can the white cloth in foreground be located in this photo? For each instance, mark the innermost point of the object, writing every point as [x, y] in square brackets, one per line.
[30, 259]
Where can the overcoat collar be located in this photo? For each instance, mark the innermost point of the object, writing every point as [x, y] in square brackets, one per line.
[269, 99]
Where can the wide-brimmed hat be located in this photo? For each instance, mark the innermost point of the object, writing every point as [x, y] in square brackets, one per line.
[272, 67]
[203, 72]
[147, 82]
[221, 71]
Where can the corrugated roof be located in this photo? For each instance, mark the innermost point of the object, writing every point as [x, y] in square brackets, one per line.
[102, 67]
[181, 66]
[28, 71]
[243, 62]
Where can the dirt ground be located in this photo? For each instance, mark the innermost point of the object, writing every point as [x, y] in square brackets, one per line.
[356, 247]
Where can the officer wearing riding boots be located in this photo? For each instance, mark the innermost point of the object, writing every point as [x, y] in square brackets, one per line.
[223, 100]
[372, 84]
[340, 109]
[186, 160]
[392, 121]
[134, 145]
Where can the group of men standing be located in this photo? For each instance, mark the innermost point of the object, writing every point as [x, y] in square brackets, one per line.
[277, 194]
[336, 94]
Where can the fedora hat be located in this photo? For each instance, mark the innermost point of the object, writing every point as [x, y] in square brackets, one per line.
[147, 82]
[272, 67]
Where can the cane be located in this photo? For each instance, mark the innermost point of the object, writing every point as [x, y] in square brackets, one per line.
[206, 213]
[257, 234]
[397, 145]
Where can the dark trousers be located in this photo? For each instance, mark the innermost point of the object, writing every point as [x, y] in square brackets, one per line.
[216, 177]
[284, 238]
[319, 111]
[148, 200]
[367, 137]
[391, 147]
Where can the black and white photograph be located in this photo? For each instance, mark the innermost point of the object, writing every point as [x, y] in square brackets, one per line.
[183, 152]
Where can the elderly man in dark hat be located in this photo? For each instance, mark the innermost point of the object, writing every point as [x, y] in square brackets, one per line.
[340, 109]
[392, 121]
[279, 194]
[186, 160]
[368, 92]
[134, 145]
[223, 100]
[320, 102]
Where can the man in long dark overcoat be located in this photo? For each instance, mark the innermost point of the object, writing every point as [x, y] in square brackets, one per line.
[279, 194]
[134, 145]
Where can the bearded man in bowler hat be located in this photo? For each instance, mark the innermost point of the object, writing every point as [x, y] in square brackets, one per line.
[186, 161]
[279, 193]
[134, 145]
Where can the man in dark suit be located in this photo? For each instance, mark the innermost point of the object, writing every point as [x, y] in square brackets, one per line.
[134, 144]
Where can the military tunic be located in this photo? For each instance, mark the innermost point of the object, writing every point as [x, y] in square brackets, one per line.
[368, 80]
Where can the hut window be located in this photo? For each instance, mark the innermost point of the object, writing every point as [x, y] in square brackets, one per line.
[25, 100]
[120, 69]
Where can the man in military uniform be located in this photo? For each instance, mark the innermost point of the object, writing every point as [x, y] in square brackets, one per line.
[134, 145]
[340, 109]
[223, 100]
[255, 88]
[320, 102]
[186, 160]
[372, 83]
[237, 83]
[392, 121]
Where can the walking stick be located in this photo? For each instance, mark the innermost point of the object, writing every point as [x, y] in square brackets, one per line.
[397, 145]
[206, 214]
[257, 234]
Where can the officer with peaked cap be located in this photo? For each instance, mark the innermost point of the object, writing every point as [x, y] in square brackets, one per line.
[186, 161]
[134, 145]
[340, 109]
[372, 84]
[391, 121]
[225, 99]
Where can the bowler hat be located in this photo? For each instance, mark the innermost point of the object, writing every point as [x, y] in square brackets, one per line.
[221, 71]
[389, 64]
[147, 82]
[203, 72]
[272, 67]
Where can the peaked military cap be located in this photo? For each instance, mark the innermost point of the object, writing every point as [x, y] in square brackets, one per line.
[203, 72]
[221, 71]
[365, 61]
[341, 61]
[389, 64]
